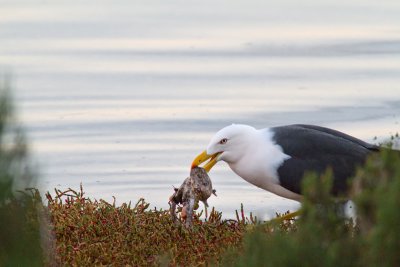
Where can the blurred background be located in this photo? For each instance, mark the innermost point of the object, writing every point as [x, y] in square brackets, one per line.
[121, 96]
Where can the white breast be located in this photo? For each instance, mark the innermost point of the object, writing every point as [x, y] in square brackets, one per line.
[259, 164]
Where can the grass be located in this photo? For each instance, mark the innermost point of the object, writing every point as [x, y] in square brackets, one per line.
[99, 233]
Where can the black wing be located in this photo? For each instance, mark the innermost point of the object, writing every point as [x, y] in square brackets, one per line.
[315, 148]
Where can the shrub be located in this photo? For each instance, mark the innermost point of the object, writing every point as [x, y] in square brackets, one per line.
[323, 236]
[99, 233]
[19, 221]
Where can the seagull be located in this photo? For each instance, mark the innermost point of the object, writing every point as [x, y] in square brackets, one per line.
[276, 159]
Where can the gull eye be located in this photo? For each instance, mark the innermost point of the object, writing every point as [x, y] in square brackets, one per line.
[223, 141]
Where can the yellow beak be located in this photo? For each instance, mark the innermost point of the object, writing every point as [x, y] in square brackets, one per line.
[204, 157]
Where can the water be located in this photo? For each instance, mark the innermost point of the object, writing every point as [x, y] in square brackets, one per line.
[122, 96]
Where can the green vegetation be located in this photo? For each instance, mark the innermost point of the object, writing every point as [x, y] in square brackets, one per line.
[96, 232]
[324, 238]
[20, 243]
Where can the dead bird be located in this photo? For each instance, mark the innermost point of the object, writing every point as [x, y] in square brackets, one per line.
[196, 187]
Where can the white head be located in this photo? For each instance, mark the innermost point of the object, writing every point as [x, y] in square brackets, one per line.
[228, 144]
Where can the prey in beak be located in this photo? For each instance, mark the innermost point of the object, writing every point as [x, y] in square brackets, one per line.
[204, 157]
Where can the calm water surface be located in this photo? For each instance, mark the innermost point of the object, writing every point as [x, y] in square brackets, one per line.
[122, 96]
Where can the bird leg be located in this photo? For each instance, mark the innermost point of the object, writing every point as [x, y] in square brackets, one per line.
[288, 216]
[189, 212]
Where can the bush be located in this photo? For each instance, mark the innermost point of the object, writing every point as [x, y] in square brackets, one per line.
[99, 233]
[20, 243]
[377, 195]
[323, 236]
